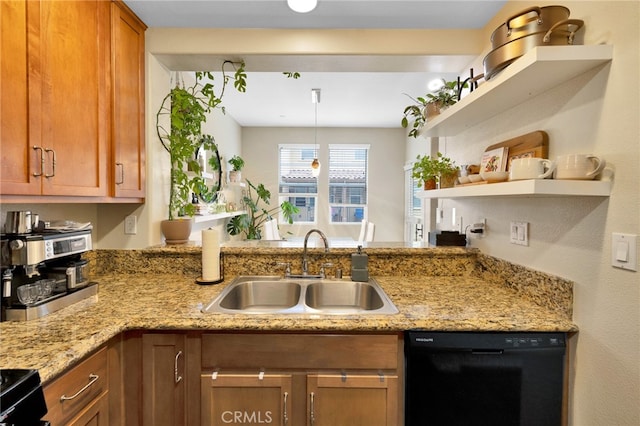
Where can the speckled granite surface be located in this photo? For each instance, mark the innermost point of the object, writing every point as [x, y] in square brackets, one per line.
[151, 296]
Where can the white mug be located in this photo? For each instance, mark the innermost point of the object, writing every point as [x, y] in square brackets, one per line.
[579, 166]
[530, 168]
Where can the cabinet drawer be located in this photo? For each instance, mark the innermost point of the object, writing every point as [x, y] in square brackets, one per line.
[300, 351]
[72, 392]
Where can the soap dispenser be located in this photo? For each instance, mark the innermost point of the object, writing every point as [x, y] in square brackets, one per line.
[359, 266]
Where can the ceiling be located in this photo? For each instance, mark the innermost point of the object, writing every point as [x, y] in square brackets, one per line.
[367, 93]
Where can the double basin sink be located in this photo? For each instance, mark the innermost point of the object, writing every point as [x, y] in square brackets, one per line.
[277, 295]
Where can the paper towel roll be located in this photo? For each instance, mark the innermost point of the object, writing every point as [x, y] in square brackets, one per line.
[210, 255]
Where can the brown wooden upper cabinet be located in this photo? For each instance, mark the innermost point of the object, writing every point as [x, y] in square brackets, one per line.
[56, 116]
[127, 66]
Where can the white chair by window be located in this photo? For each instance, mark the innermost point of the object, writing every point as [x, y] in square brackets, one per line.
[270, 230]
[275, 232]
[363, 231]
[370, 231]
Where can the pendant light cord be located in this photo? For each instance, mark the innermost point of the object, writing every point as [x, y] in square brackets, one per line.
[315, 133]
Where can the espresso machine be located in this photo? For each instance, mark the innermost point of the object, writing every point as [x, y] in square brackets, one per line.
[43, 270]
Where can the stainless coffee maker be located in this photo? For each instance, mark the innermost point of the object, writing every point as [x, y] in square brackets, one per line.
[40, 270]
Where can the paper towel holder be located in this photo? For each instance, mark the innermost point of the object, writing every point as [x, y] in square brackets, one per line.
[202, 281]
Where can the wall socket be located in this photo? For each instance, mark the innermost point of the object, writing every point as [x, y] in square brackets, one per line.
[519, 233]
[131, 225]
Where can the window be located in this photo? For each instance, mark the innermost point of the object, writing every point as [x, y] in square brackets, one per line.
[295, 182]
[348, 165]
[414, 228]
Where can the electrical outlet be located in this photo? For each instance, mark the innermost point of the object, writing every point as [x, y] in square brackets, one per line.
[131, 225]
[479, 228]
[519, 233]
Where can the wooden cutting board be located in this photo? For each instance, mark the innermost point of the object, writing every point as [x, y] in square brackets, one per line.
[534, 144]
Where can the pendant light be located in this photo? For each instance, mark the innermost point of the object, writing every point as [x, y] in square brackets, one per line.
[315, 164]
[302, 6]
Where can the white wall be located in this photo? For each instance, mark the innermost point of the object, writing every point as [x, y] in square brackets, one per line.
[386, 158]
[571, 237]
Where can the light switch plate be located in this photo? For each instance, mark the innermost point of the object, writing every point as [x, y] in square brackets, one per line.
[519, 233]
[623, 251]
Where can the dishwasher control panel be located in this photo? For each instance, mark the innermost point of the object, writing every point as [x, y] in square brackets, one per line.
[473, 340]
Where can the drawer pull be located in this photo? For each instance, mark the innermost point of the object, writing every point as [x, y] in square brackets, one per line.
[93, 378]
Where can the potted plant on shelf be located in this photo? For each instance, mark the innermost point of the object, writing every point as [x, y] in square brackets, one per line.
[257, 201]
[431, 170]
[425, 107]
[179, 128]
[237, 163]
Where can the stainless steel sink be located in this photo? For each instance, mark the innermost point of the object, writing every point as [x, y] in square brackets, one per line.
[262, 296]
[276, 295]
[343, 296]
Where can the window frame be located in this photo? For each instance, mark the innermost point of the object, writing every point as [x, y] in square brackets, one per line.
[292, 196]
[349, 205]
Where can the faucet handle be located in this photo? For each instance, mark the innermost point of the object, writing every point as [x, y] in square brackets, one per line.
[323, 266]
[287, 268]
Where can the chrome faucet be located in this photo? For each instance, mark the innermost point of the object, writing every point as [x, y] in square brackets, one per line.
[305, 260]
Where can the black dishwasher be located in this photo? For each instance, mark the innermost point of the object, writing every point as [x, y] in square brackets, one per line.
[510, 379]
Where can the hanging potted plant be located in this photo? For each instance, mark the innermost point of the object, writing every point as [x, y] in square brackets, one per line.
[237, 163]
[187, 109]
[425, 107]
[429, 171]
[257, 203]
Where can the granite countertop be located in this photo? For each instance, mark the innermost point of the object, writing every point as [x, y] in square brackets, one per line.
[166, 301]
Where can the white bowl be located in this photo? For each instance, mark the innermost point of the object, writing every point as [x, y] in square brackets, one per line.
[495, 176]
[463, 179]
[475, 178]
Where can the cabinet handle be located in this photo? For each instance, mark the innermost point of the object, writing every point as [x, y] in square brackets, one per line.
[39, 148]
[312, 414]
[53, 163]
[121, 166]
[285, 417]
[92, 379]
[176, 376]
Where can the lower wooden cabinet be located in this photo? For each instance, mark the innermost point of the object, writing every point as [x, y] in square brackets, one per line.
[330, 399]
[198, 378]
[301, 379]
[352, 399]
[80, 396]
[96, 413]
[246, 399]
[163, 381]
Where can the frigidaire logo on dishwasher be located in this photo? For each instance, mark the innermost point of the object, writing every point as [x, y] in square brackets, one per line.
[424, 339]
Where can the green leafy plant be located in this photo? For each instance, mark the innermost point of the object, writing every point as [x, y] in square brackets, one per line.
[187, 109]
[237, 163]
[432, 168]
[292, 74]
[444, 97]
[257, 202]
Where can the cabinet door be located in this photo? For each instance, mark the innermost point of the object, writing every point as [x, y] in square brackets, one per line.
[71, 45]
[163, 379]
[94, 414]
[245, 399]
[352, 399]
[127, 63]
[19, 160]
